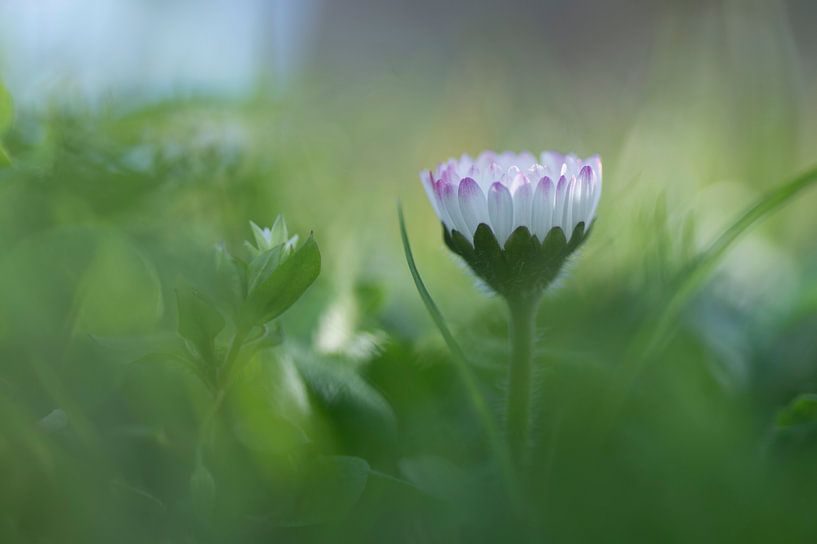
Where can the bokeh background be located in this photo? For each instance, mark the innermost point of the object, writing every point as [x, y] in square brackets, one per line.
[145, 133]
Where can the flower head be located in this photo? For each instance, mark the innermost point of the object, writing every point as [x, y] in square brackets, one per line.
[515, 218]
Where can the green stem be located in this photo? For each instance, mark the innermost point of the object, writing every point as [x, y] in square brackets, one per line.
[222, 385]
[231, 359]
[206, 429]
[522, 334]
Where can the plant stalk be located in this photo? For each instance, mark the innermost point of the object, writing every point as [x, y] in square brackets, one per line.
[522, 334]
[223, 383]
[226, 373]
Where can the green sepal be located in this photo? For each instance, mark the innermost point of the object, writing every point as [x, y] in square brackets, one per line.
[525, 266]
[458, 243]
[486, 248]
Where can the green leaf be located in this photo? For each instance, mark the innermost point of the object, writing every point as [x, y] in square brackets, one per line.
[137, 497]
[262, 265]
[6, 109]
[202, 489]
[199, 321]
[345, 394]
[439, 478]
[161, 348]
[283, 286]
[329, 490]
[124, 349]
[370, 298]
[232, 275]
[5, 160]
[801, 411]
[795, 430]
[270, 410]
[269, 335]
[6, 116]
[158, 348]
[118, 276]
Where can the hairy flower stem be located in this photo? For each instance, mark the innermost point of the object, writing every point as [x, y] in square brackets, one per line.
[522, 334]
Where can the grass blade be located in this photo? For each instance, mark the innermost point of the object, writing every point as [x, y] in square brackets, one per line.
[478, 403]
[695, 277]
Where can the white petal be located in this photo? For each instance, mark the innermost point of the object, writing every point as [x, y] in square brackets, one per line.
[595, 163]
[509, 176]
[542, 209]
[582, 210]
[570, 198]
[595, 195]
[559, 208]
[427, 179]
[552, 162]
[434, 188]
[579, 214]
[536, 172]
[537, 204]
[451, 202]
[518, 181]
[494, 172]
[522, 202]
[500, 212]
[473, 207]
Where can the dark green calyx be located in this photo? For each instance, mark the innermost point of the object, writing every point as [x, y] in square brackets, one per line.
[526, 266]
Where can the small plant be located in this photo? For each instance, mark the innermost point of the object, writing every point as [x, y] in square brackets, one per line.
[515, 220]
[261, 287]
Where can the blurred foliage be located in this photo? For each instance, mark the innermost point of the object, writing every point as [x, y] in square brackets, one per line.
[125, 279]
[6, 115]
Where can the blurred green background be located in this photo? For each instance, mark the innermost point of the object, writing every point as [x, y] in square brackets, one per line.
[140, 136]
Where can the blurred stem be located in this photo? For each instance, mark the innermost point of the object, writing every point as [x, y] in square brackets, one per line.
[522, 333]
[207, 424]
[232, 356]
[221, 389]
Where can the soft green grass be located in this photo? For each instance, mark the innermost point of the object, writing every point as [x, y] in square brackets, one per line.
[666, 351]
